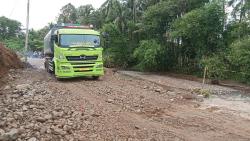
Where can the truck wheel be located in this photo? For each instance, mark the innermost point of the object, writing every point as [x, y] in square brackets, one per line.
[53, 67]
[95, 77]
[49, 71]
[59, 79]
[45, 66]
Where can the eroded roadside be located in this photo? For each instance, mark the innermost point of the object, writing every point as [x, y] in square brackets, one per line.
[34, 106]
[224, 99]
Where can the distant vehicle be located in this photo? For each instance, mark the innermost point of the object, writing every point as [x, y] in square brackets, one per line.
[73, 51]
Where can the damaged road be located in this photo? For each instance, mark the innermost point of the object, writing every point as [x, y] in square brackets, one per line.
[34, 106]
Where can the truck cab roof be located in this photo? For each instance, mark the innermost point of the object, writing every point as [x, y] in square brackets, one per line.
[77, 31]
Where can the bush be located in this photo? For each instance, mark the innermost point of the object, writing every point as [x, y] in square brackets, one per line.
[234, 64]
[216, 67]
[117, 50]
[236, 30]
[15, 44]
[147, 55]
[240, 59]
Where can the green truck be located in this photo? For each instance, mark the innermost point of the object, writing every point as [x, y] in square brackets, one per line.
[73, 51]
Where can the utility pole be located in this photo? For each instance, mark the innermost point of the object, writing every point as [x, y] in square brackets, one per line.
[225, 15]
[27, 32]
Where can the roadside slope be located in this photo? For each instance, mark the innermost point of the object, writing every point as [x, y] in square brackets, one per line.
[8, 60]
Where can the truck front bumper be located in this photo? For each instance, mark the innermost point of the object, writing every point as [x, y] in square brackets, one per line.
[78, 69]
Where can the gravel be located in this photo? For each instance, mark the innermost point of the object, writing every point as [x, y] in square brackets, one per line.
[36, 107]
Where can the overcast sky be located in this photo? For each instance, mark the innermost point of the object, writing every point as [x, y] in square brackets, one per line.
[41, 11]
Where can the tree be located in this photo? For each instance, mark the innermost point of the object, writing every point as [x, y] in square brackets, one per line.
[35, 41]
[237, 31]
[36, 38]
[16, 44]
[84, 13]
[9, 28]
[239, 57]
[241, 9]
[132, 9]
[158, 18]
[117, 52]
[68, 14]
[111, 9]
[96, 18]
[10, 33]
[200, 32]
[43, 32]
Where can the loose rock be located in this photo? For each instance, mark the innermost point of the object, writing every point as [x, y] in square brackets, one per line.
[158, 90]
[41, 119]
[7, 87]
[58, 131]
[22, 87]
[110, 100]
[10, 136]
[200, 98]
[32, 139]
[189, 96]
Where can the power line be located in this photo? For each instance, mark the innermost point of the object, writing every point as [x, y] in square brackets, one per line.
[13, 9]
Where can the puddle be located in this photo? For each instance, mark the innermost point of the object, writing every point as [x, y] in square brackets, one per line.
[225, 99]
[234, 103]
[36, 63]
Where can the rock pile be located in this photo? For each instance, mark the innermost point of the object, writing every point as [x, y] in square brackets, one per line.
[26, 114]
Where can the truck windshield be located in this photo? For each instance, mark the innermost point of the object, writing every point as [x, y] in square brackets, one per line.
[79, 40]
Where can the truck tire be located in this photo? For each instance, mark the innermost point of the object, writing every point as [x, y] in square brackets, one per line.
[59, 79]
[53, 67]
[50, 71]
[95, 77]
[45, 66]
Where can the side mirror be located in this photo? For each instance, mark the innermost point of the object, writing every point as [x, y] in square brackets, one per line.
[54, 38]
[105, 35]
[105, 40]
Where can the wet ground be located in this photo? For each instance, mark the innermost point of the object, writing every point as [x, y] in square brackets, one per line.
[228, 99]
[234, 103]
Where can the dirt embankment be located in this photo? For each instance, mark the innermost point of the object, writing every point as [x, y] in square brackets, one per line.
[8, 60]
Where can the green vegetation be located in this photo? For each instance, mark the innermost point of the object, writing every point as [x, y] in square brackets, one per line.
[165, 35]
[12, 36]
[147, 55]
[10, 33]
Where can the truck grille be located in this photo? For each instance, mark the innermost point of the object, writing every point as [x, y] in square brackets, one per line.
[81, 58]
[82, 63]
[83, 68]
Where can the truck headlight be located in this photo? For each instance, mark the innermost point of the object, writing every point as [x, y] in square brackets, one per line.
[99, 66]
[100, 56]
[65, 67]
[61, 57]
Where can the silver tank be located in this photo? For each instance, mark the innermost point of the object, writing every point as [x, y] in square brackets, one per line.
[49, 43]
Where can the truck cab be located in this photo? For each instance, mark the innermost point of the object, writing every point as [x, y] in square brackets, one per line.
[73, 51]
